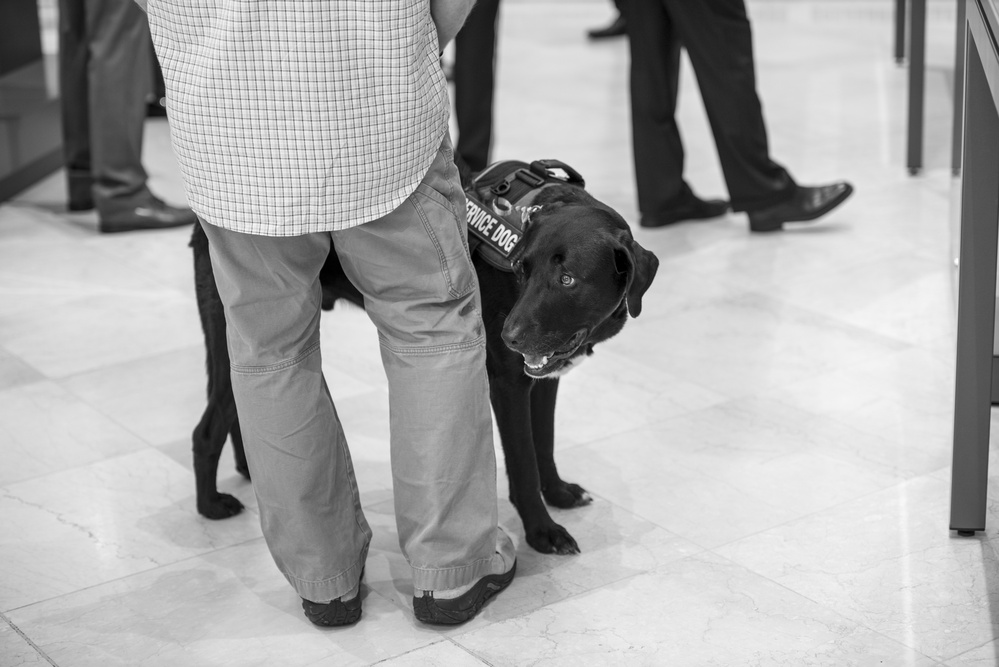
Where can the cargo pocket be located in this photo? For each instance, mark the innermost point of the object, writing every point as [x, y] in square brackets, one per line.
[443, 219]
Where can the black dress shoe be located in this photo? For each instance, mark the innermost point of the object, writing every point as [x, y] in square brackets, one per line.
[616, 29]
[807, 203]
[154, 214]
[691, 208]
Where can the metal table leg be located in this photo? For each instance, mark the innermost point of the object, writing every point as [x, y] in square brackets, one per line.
[917, 76]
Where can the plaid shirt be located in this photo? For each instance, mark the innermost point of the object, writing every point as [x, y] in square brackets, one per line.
[297, 116]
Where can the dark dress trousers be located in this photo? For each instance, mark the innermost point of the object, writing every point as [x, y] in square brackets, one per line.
[104, 57]
[474, 81]
[718, 39]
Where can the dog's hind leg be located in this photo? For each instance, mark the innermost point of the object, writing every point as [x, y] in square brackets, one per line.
[208, 440]
[219, 417]
[237, 449]
[555, 490]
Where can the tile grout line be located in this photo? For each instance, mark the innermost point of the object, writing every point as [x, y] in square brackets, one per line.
[27, 640]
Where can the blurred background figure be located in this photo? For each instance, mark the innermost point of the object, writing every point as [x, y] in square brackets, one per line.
[718, 39]
[616, 28]
[104, 62]
[474, 78]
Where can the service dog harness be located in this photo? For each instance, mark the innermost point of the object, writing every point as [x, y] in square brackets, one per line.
[500, 201]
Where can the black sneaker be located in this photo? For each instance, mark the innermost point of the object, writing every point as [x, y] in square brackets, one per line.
[464, 607]
[334, 613]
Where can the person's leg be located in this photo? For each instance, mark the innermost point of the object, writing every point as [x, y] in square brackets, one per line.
[74, 59]
[119, 79]
[474, 84]
[655, 78]
[420, 291]
[719, 41]
[303, 478]
[664, 197]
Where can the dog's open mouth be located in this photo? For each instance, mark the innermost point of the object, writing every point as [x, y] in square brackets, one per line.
[540, 365]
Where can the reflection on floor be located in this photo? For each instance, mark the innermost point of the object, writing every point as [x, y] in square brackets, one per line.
[768, 444]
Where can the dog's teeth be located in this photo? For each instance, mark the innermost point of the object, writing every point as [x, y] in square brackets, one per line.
[534, 363]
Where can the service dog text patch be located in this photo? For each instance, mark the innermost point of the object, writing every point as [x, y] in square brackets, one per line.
[498, 233]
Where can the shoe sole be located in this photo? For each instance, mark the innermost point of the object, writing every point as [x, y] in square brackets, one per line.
[465, 607]
[115, 228]
[343, 613]
[778, 225]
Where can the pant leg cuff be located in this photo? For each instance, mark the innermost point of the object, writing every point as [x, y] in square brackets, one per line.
[427, 579]
[332, 588]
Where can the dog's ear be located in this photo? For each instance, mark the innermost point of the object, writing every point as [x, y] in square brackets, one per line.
[640, 266]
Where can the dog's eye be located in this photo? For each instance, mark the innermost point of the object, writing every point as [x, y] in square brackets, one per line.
[567, 280]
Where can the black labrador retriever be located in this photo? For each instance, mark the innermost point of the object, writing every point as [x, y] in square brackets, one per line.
[575, 277]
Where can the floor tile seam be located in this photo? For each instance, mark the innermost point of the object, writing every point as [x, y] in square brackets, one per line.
[443, 640]
[994, 641]
[85, 292]
[824, 510]
[171, 348]
[457, 633]
[640, 518]
[6, 612]
[150, 275]
[856, 622]
[65, 382]
[810, 316]
[806, 315]
[13, 626]
[42, 377]
[817, 449]
[155, 355]
[862, 429]
[898, 472]
[894, 483]
[53, 217]
[110, 457]
[844, 321]
[897, 475]
[681, 414]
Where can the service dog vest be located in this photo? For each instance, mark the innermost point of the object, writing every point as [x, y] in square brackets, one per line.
[499, 204]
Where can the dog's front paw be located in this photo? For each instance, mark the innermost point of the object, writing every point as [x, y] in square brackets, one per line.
[220, 506]
[565, 495]
[552, 539]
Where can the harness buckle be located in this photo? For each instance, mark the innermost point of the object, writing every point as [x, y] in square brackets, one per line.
[532, 179]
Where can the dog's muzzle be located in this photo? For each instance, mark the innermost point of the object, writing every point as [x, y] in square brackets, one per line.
[540, 365]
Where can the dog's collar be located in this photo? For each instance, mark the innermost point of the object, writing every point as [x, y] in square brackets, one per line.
[499, 205]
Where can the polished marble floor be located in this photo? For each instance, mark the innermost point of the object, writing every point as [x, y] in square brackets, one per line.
[768, 445]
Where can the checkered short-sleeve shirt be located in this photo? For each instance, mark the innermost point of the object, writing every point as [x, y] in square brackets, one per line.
[297, 116]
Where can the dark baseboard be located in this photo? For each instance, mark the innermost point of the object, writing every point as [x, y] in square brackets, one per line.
[29, 174]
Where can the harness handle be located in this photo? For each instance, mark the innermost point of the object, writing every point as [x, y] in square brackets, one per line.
[545, 169]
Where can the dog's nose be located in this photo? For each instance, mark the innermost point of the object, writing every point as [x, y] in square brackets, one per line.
[512, 334]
